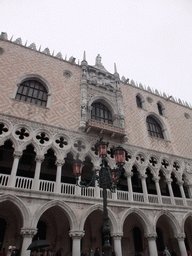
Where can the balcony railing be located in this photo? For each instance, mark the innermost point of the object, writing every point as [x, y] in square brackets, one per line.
[70, 189]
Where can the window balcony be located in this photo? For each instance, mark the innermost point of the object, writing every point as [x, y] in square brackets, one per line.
[109, 129]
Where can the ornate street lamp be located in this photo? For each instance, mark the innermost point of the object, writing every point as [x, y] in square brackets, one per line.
[107, 179]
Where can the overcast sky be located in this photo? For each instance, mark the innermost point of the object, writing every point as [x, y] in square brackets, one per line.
[149, 40]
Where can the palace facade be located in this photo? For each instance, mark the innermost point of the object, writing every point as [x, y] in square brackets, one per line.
[52, 110]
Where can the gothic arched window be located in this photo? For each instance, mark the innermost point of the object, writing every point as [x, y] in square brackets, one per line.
[139, 101]
[101, 113]
[33, 92]
[160, 109]
[154, 128]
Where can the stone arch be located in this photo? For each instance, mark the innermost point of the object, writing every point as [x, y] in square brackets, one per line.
[54, 148]
[173, 221]
[68, 211]
[142, 100]
[31, 142]
[144, 220]
[12, 139]
[91, 209]
[187, 215]
[112, 108]
[20, 205]
[38, 78]
[160, 121]
[161, 108]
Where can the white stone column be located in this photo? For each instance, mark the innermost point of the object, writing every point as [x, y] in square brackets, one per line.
[59, 164]
[144, 186]
[129, 183]
[27, 234]
[180, 238]
[189, 188]
[117, 243]
[12, 178]
[180, 184]
[114, 195]
[77, 188]
[76, 236]
[156, 180]
[151, 238]
[39, 160]
[97, 188]
[170, 191]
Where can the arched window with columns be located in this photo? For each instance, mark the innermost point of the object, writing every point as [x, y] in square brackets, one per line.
[6, 157]
[154, 127]
[101, 113]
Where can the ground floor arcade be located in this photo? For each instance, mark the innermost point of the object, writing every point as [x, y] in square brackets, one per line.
[76, 226]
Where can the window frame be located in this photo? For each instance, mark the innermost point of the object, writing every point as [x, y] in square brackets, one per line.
[38, 78]
[33, 92]
[154, 128]
[101, 113]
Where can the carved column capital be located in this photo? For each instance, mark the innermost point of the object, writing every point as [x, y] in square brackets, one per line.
[168, 180]
[128, 174]
[18, 154]
[156, 179]
[39, 158]
[28, 231]
[76, 233]
[60, 162]
[151, 236]
[180, 182]
[117, 236]
[142, 176]
[180, 236]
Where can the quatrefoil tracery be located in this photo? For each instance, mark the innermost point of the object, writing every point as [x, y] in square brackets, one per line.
[79, 145]
[3, 128]
[42, 137]
[61, 141]
[22, 133]
[153, 161]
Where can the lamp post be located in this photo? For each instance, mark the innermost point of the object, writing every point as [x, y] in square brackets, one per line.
[107, 179]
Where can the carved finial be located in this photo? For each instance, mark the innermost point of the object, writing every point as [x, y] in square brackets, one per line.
[40, 48]
[3, 35]
[11, 38]
[59, 55]
[53, 53]
[26, 43]
[84, 55]
[66, 57]
[115, 68]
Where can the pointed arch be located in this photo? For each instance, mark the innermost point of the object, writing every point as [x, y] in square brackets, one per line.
[112, 108]
[147, 225]
[20, 205]
[172, 220]
[68, 211]
[156, 126]
[114, 227]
